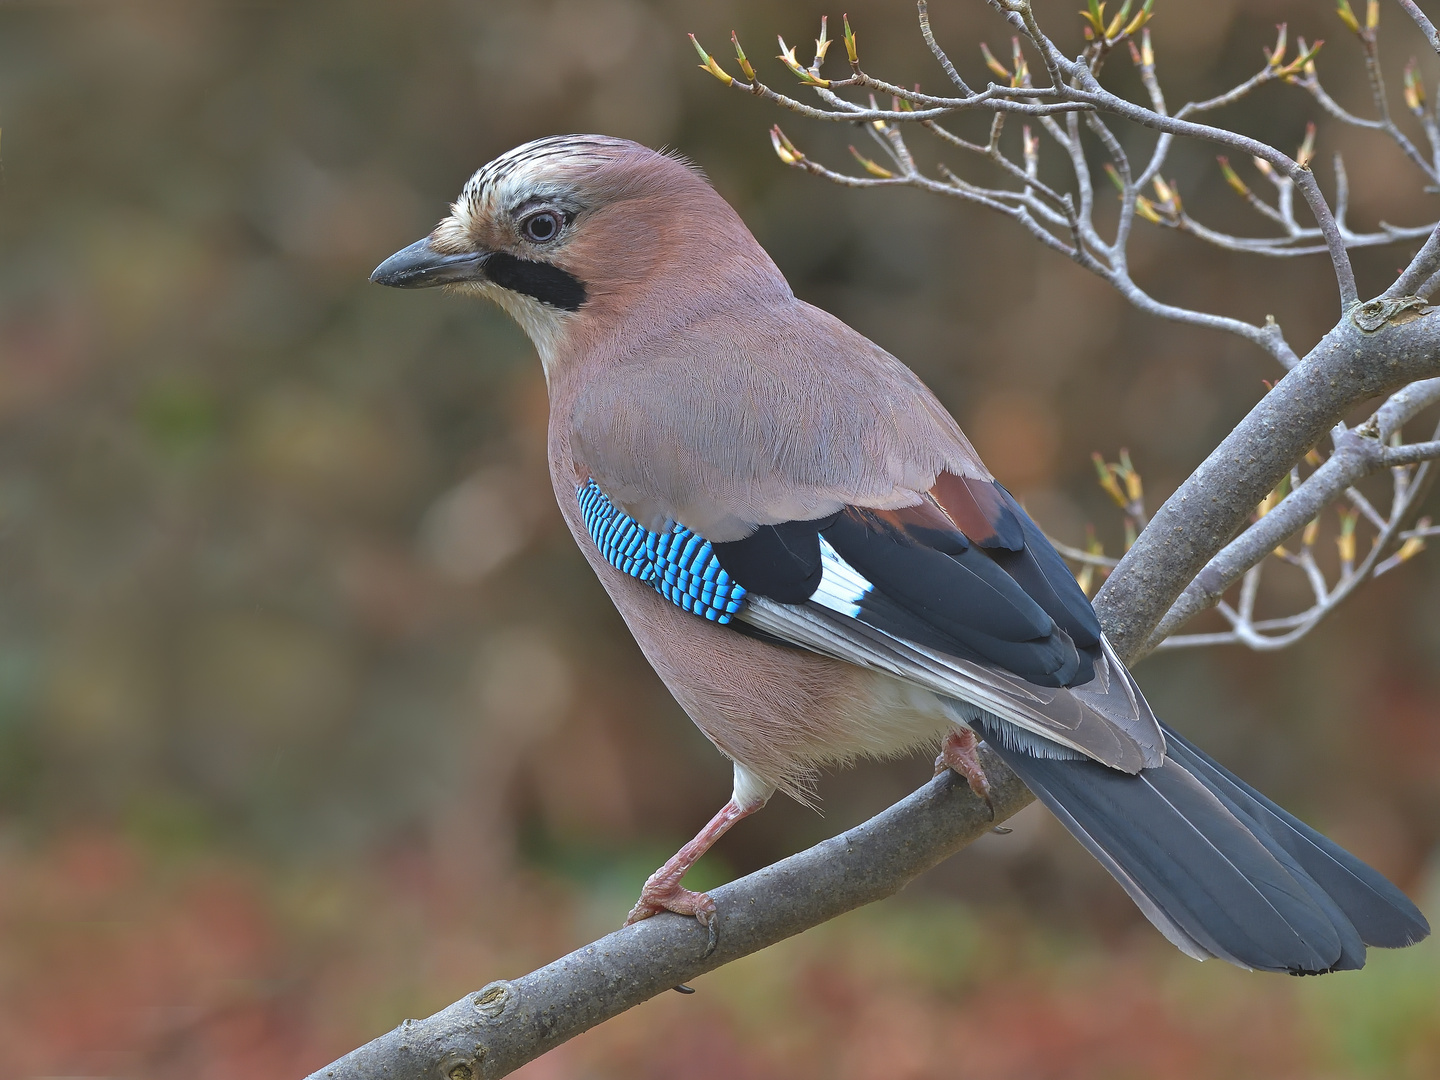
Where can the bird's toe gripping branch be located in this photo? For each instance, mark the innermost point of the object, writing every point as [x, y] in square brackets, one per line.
[663, 891]
[960, 753]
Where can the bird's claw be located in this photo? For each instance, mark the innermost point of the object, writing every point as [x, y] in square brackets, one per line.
[959, 753]
[669, 896]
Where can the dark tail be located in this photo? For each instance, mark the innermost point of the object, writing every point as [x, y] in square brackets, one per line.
[1220, 869]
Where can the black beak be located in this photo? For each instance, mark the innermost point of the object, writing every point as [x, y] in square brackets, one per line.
[420, 265]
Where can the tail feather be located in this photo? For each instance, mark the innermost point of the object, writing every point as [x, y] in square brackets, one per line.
[1217, 867]
[1383, 915]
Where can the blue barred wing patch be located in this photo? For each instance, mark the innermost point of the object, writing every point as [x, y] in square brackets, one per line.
[679, 565]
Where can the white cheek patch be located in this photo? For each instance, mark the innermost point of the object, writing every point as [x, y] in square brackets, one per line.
[842, 588]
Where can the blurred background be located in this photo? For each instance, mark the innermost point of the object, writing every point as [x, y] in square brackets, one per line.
[312, 718]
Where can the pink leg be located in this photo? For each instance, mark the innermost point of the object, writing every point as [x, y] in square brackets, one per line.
[958, 752]
[663, 892]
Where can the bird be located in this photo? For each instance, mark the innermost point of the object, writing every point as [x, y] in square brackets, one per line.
[819, 566]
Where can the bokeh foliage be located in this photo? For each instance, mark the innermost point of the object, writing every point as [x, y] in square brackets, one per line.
[311, 716]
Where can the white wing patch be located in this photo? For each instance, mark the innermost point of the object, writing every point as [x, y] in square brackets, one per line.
[842, 588]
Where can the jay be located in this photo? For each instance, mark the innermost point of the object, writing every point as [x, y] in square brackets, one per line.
[819, 566]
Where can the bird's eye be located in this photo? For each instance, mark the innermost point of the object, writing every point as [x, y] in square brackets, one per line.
[541, 227]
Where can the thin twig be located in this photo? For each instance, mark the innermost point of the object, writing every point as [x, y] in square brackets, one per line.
[1425, 263]
[1426, 26]
[936, 51]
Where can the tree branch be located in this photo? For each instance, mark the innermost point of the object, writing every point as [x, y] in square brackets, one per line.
[1426, 26]
[1378, 347]
[498, 1028]
[1425, 263]
[491, 1032]
[1357, 454]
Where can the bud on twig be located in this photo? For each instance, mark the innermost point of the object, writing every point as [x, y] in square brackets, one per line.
[1414, 90]
[822, 43]
[1274, 56]
[1307, 148]
[1232, 177]
[1345, 542]
[1134, 489]
[1273, 499]
[709, 64]
[1106, 472]
[1118, 27]
[1169, 197]
[997, 68]
[1140, 20]
[871, 167]
[1146, 209]
[1413, 544]
[784, 148]
[1342, 8]
[1112, 475]
[787, 57]
[740, 57]
[1305, 62]
[1116, 24]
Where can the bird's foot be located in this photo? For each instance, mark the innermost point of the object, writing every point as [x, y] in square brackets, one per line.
[959, 752]
[663, 892]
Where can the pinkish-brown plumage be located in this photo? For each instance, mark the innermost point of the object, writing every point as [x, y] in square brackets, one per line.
[793, 712]
[896, 595]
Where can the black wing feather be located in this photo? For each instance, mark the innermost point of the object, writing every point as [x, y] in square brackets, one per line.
[778, 561]
[1002, 597]
[964, 604]
[1040, 571]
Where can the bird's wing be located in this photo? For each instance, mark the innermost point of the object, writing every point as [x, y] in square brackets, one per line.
[961, 594]
[772, 414]
[996, 622]
[845, 500]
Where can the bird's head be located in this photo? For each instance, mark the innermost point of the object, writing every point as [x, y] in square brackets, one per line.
[578, 235]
